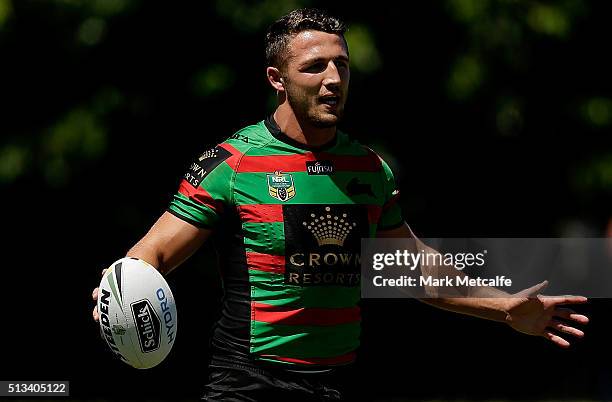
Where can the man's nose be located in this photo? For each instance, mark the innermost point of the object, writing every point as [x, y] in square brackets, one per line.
[332, 75]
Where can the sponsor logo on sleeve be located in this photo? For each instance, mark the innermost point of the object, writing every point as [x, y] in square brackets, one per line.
[319, 168]
[206, 163]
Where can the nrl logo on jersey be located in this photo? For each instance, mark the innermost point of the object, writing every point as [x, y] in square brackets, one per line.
[280, 186]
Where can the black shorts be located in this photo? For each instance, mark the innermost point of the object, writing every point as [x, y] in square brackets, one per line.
[243, 383]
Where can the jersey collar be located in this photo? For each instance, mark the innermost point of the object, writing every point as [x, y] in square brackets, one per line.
[276, 132]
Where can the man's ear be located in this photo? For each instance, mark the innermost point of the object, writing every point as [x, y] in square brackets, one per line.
[275, 79]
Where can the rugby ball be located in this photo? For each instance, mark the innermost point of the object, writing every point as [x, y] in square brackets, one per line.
[137, 313]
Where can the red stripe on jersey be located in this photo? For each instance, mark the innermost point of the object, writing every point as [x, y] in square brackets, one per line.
[374, 212]
[200, 195]
[261, 212]
[233, 160]
[271, 163]
[297, 163]
[347, 358]
[363, 163]
[304, 316]
[266, 262]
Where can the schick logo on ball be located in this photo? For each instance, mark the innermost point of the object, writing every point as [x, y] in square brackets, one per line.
[147, 325]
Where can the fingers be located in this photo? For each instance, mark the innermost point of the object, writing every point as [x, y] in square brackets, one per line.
[560, 300]
[94, 296]
[571, 315]
[562, 327]
[556, 339]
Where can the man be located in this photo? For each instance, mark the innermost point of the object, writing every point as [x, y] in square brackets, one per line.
[289, 199]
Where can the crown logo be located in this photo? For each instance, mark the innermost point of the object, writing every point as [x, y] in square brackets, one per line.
[330, 228]
[210, 153]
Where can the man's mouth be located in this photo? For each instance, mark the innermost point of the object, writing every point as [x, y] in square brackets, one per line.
[331, 100]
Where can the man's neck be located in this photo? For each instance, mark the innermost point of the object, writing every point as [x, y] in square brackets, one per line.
[299, 131]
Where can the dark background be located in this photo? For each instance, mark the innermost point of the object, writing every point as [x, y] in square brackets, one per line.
[494, 115]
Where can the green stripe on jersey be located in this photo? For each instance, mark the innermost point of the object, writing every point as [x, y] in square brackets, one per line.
[271, 149]
[192, 211]
[264, 237]
[217, 181]
[313, 341]
[269, 288]
[252, 188]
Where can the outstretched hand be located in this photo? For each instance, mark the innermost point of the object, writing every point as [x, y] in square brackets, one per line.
[534, 314]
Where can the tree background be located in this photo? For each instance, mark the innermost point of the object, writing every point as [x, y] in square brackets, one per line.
[494, 115]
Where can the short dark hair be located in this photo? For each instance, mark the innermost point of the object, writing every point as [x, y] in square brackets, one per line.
[283, 30]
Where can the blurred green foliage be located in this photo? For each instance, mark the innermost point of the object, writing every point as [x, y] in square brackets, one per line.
[111, 55]
[212, 80]
[598, 111]
[5, 11]
[594, 176]
[467, 74]
[364, 55]
[13, 161]
[251, 16]
[503, 30]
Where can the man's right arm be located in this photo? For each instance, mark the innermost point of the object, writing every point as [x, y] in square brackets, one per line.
[169, 242]
[196, 208]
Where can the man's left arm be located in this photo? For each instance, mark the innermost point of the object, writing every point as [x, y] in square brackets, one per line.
[527, 311]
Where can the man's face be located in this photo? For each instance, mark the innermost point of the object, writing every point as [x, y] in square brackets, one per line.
[316, 77]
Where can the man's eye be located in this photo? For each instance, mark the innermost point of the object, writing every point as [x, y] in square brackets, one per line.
[315, 68]
[341, 64]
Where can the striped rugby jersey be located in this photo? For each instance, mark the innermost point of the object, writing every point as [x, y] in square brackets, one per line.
[289, 221]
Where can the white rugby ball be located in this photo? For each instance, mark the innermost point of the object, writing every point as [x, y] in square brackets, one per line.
[137, 313]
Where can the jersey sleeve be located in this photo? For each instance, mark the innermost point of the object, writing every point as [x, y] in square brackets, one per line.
[206, 189]
[391, 216]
